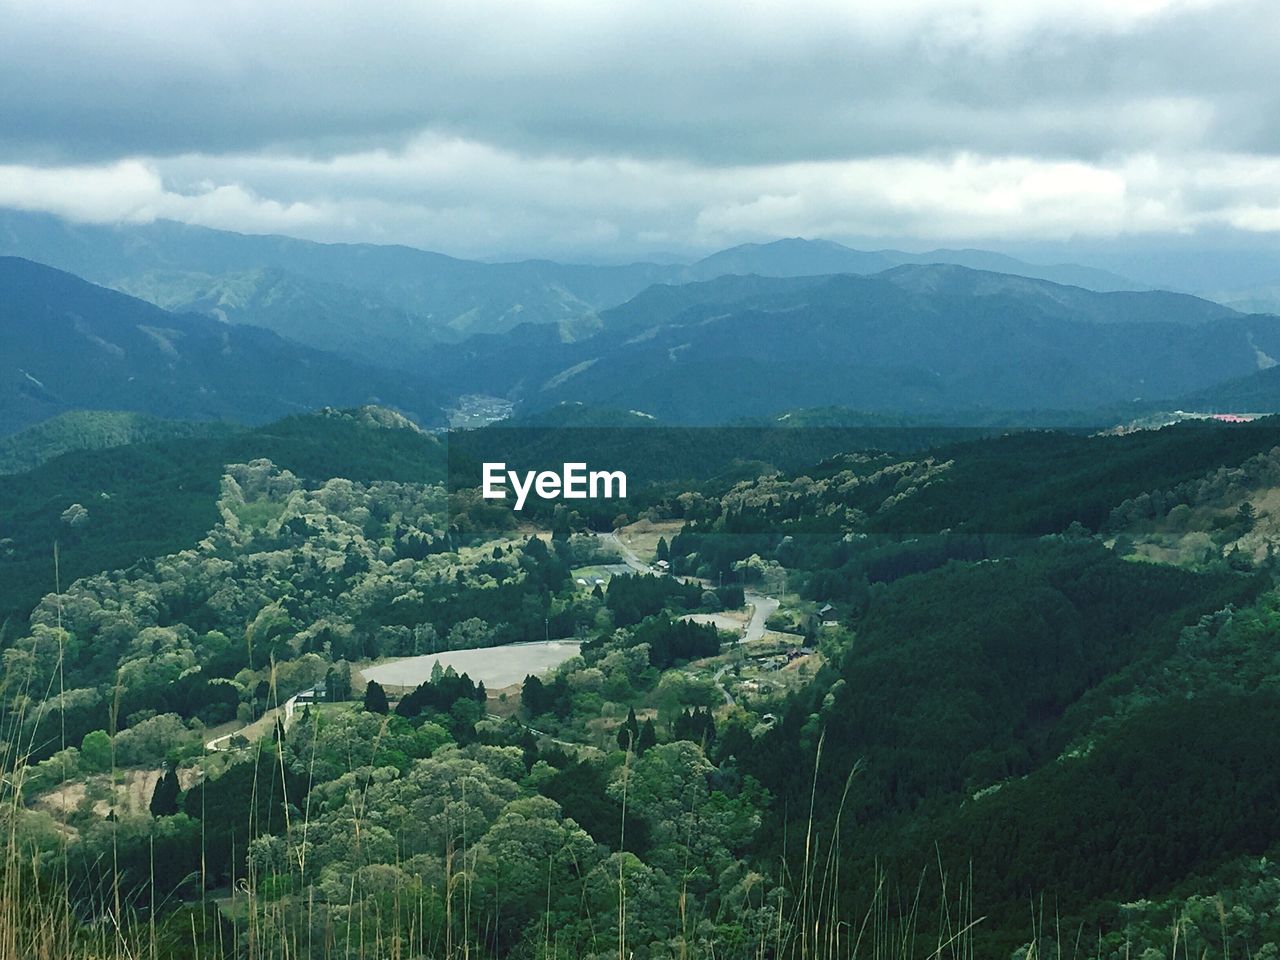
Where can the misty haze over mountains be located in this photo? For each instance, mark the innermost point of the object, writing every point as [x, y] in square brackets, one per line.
[751, 331]
[297, 286]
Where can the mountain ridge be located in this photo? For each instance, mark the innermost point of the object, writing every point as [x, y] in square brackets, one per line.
[419, 297]
[914, 340]
[70, 344]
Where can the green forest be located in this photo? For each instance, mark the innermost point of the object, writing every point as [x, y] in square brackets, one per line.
[939, 700]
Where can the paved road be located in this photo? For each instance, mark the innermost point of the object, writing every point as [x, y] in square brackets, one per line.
[224, 741]
[628, 555]
[728, 697]
[762, 607]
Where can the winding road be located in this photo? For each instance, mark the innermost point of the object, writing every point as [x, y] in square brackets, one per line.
[762, 607]
[728, 697]
[222, 742]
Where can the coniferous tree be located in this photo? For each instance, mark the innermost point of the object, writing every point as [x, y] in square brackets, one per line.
[343, 684]
[1246, 516]
[375, 698]
[533, 696]
[708, 728]
[629, 732]
[164, 799]
[648, 736]
[529, 748]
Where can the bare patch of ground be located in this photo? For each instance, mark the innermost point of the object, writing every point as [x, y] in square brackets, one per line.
[129, 793]
[492, 666]
[643, 535]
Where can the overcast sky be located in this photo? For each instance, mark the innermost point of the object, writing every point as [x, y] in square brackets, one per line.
[612, 128]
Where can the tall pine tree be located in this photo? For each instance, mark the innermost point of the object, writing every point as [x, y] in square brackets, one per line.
[164, 799]
[648, 736]
[629, 732]
[375, 698]
[533, 696]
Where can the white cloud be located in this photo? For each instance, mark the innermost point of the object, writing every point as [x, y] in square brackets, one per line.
[614, 128]
[472, 199]
[133, 191]
[119, 191]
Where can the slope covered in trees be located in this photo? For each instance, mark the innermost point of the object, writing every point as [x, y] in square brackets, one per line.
[95, 430]
[1027, 709]
[70, 345]
[915, 340]
[149, 499]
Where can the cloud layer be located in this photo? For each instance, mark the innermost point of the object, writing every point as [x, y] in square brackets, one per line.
[613, 128]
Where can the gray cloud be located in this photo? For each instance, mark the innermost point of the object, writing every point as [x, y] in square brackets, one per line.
[491, 126]
[715, 83]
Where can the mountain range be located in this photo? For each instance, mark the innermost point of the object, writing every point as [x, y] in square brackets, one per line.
[933, 340]
[68, 344]
[387, 303]
[229, 327]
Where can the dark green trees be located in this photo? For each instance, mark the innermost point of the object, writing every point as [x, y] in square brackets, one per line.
[533, 696]
[337, 683]
[164, 799]
[695, 725]
[375, 698]
[629, 732]
[634, 736]
[648, 737]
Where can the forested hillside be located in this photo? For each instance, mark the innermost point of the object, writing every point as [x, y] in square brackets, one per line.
[974, 692]
[70, 345]
[935, 342]
[110, 508]
[95, 430]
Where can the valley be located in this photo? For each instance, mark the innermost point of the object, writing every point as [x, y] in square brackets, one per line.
[640, 481]
[918, 568]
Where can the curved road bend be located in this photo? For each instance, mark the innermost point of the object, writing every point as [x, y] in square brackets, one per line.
[762, 607]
